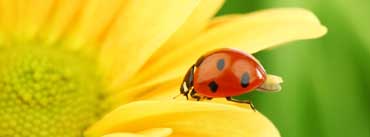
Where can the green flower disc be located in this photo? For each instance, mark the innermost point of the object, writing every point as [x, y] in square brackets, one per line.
[47, 92]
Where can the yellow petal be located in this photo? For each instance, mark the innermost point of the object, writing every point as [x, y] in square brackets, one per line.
[139, 30]
[164, 90]
[32, 15]
[197, 22]
[94, 20]
[62, 16]
[157, 132]
[7, 12]
[124, 135]
[185, 118]
[7, 19]
[222, 20]
[251, 33]
[153, 132]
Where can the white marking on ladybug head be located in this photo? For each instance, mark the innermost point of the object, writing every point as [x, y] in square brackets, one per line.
[271, 84]
[185, 87]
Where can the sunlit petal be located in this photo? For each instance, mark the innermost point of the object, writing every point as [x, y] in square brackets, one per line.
[94, 20]
[62, 16]
[7, 20]
[252, 32]
[153, 132]
[186, 118]
[193, 26]
[138, 32]
[31, 16]
[164, 90]
[124, 135]
[196, 22]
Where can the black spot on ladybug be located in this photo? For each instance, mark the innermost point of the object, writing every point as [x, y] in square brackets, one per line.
[220, 64]
[244, 81]
[213, 86]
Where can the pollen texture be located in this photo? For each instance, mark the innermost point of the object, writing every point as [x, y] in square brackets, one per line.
[47, 92]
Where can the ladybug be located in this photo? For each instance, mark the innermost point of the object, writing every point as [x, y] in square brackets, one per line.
[225, 73]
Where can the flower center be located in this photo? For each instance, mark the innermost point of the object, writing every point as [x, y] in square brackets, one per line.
[47, 92]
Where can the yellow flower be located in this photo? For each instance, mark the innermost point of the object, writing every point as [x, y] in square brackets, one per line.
[67, 63]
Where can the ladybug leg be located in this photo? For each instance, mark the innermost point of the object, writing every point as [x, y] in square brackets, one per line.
[241, 101]
[187, 83]
[193, 94]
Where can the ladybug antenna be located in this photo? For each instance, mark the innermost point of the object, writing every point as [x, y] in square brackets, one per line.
[176, 96]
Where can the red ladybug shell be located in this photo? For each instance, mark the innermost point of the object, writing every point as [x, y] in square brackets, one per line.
[227, 72]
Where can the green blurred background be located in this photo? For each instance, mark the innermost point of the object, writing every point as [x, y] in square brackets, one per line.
[326, 90]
